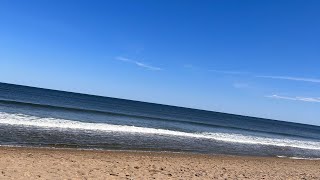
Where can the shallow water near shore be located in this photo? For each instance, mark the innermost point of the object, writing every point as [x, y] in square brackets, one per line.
[36, 117]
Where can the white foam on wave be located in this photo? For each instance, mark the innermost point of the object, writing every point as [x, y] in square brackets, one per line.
[53, 123]
[301, 158]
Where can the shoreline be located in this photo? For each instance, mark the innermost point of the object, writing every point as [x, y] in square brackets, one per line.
[53, 163]
[153, 152]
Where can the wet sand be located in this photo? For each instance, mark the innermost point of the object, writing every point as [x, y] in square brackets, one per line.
[38, 163]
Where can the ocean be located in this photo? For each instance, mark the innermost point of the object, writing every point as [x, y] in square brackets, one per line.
[35, 117]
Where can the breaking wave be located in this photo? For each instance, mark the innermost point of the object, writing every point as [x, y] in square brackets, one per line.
[64, 124]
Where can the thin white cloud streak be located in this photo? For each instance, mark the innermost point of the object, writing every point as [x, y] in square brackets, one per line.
[289, 78]
[292, 78]
[140, 64]
[189, 66]
[245, 85]
[228, 72]
[249, 74]
[240, 85]
[304, 99]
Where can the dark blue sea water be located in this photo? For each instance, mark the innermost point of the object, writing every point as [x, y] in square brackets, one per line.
[48, 118]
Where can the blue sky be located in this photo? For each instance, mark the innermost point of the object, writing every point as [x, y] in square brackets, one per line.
[257, 58]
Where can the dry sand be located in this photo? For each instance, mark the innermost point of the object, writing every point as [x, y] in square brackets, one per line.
[32, 163]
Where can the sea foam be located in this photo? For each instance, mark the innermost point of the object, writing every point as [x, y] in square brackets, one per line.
[64, 124]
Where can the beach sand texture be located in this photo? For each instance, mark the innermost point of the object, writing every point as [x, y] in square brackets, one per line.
[33, 163]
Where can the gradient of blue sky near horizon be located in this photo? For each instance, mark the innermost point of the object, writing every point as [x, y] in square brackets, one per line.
[256, 58]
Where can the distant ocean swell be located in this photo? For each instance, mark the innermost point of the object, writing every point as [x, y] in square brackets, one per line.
[63, 124]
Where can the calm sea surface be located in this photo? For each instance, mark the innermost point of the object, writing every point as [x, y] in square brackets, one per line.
[46, 118]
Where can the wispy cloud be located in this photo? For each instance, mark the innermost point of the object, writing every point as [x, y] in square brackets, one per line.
[189, 66]
[228, 72]
[305, 99]
[193, 68]
[312, 80]
[240, 85]
[256, 75]
[140, 64]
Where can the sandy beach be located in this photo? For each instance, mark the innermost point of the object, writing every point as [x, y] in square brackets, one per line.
[33, 163]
